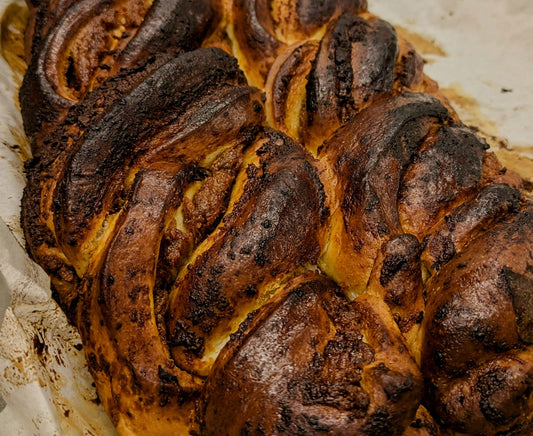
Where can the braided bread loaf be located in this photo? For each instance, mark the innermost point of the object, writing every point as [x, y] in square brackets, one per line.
[265, 219]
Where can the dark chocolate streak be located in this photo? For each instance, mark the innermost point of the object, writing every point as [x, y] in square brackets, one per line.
[173, 111]
[298, 365]
[254, 31]
[51, 158]
[490, 205]
[128, 274]
[338, 84]
[401, 278]
[191, 244]
[445, 172]
[373, 152]
[369, 163]
[271, 231]
[40, 99]
[43, 15]
[256, 28]
[170, 26]
[313, 14]
[292, 67]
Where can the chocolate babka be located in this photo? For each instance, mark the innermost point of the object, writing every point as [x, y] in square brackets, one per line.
[264, 218]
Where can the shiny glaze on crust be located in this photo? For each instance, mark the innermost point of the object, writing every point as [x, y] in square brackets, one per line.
[315, 87]
[309, 362]
[272, 230]
[366, 169]
[477, 355]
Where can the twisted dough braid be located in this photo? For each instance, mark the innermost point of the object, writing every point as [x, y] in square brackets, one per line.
[265, 219]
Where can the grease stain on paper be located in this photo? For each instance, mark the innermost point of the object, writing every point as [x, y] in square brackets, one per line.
[12, 38]
[518, 163]
[422, 44]
[469, 110]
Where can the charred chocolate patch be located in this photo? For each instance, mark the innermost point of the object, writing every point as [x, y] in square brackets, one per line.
[313, 14]
[474, 354]
[270, 231]
[520, 286]
[337, 86]
[123, 33]
[96, 171]
[489, 386]
[316, 337]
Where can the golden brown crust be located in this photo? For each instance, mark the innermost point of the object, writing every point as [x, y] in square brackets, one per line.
[261, 29]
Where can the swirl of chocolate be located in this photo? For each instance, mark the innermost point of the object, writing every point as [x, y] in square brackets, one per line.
[118, 318]
[271, 230]
[309, 362]
[48, 164]
[43, 14]
[366, 166]
[403, 204]
[260, 29]
[314, 87]
[93, 40]
[366, 268]
[168, 139]
[78, 184]
[478, 354]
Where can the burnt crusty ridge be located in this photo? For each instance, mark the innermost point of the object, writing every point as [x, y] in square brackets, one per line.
[368, 163]
[477, 330]
[170, 26]
[272, 230]
[263, 28]
[316, 86]
[338, 85]
[147, 129]
[363, 269]
[49, 161]
[148, 150]
[311, 363]
[94, 122]
[64, 66]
